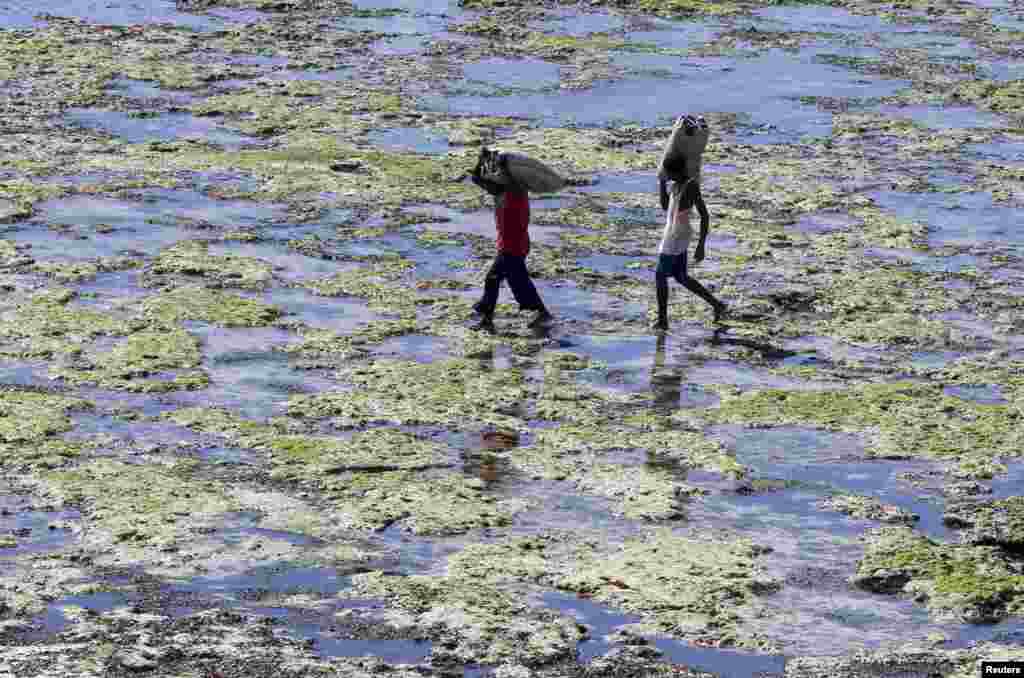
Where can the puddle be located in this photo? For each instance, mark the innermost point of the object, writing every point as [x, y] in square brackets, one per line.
[568, 301]
[394, 651]
[633, 182]
[719, 83]
[403, 45]
[566, 22]
[419, 347]
[986, 394]
[162, 127]
[963, 219]
[341, 314]
[528, 73]
[822, 223]
[144, 89]
[54, 620]
[1001, 150]
[641, 268]
[774, 450]
[23, 13]
[933, 359]
[25, 374]
[819, 19]
[404, 23]
[735, 374]
[268, 579]
[819, 462]
[156, 219]
[668, 34]
[947, 117]
[415, 139]
[149, 435]
[257, 383]
[288, 264]
[954, 264]
[603, 621]
[34, 528]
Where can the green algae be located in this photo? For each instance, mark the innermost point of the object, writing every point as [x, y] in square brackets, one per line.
[910, 419]
[30, 418]
[10, 256]
[369, 480]
[138, 503]
[46, 324]
[696, 588]
[975, 584]
[1001, 96]
[999, 522]
[320, 348]
[476, 622]
[319, 165]
[382, 285]
[141, 362]
[192, 258]
[446, 392]
[380, 449]
[438, 503]
[196, 303]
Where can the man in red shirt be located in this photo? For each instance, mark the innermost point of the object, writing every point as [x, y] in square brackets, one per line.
[512, 218]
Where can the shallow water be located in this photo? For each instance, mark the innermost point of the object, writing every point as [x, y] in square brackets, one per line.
[962, 219]
[29, 13]
[163, 127]
[762, 95]
[718, 82]
[602, 621]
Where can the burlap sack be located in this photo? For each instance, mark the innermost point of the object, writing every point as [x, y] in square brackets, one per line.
[506, 167]
[688, 140]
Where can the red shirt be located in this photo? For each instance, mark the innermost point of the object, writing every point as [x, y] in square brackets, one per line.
[512, 217]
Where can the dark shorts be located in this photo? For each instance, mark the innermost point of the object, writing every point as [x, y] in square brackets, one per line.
[670, 264]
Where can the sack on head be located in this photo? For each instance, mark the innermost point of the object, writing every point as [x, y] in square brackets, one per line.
[681, 159]
[507, 167]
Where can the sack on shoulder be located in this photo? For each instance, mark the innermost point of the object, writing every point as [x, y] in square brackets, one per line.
[688, 140]
[508, 167]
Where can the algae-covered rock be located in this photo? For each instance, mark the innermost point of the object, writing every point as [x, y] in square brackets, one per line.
[700, 589]
[139, 504]
[143, 362]
[30, 417]
[48, 324]
[370, 480]
[867, 508]
[193, 302]
[911, 419]
[445, 392]
[474, 622]
[326, 348]
[975, 584]
[192, 258]
[999, 522]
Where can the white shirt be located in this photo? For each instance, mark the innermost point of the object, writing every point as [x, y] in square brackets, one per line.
[676, 237]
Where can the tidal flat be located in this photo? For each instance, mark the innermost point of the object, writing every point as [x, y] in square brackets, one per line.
[247, 427]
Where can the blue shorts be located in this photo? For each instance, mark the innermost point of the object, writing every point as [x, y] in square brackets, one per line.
[670, 264]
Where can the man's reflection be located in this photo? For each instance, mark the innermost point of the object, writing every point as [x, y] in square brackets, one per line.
[666, 385]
